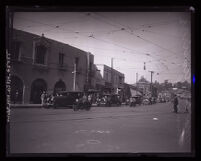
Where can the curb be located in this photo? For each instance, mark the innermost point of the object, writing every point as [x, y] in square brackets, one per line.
[26, 106]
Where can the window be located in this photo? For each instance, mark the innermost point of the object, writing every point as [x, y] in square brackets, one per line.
[76, 62]
[40, 54]
[61, 59]
[107, 79]
[15, 50]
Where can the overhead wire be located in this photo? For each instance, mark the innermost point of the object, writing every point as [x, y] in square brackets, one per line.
[142, 39]
[93, 37]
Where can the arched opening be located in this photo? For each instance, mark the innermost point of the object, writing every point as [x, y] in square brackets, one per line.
[16, 89]
[59, 86]
[37, 87]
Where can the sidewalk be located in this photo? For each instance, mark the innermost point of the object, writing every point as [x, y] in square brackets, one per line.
[25, 106]
[32, 105]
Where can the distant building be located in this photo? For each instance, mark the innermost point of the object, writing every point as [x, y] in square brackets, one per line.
[143, 85]
[113, 79]
[41, 64]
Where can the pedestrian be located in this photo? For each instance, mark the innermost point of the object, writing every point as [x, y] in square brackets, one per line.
[84, 98]
[175, 103]
[43, 98]
[90, 98]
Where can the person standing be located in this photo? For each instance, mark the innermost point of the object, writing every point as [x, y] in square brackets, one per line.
[43, 98]
[175, 103]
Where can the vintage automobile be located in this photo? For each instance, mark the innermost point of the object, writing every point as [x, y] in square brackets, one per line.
[109, 100]
[82, 103]
[68, 99]
[146, 101]
[135, 100]
[102, 100]
[113, 99]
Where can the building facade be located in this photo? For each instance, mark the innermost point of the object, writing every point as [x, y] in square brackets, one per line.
[41, 64]
[113, 79]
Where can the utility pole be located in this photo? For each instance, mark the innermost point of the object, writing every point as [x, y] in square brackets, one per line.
[151, 81]
[74, 77]
[136, 77]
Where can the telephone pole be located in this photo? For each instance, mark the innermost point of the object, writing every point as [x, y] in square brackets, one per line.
[152, 72]
[74, 77]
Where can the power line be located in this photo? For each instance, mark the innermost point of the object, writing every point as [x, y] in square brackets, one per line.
[141, 38]
[105, 41]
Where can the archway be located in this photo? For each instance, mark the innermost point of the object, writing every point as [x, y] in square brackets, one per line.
[59, 86]
[37, 87]
[16, 89]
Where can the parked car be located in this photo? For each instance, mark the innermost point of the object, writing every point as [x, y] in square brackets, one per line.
[102, 100]
[109, 100]
[114, 99]
[145, 101]
[135, 100]
[67, 99]
[83, 103]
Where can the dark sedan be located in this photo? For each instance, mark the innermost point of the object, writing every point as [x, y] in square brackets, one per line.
[67, 99]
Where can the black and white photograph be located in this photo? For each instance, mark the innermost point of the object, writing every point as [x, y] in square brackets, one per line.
[100, 82]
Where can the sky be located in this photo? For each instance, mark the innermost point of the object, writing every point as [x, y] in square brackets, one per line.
[161, 41]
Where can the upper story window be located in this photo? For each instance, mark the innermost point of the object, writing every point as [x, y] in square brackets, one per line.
[106, 76]
[40, 55]
[76, 62]
[61, 59]
[41, 49]
[15, 50]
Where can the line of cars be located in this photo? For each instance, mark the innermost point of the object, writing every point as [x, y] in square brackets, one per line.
[73, 99]
[83, 100]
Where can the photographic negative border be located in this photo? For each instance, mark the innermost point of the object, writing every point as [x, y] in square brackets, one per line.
[9, 19]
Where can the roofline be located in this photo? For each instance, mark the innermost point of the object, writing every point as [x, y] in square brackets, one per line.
[52, 40]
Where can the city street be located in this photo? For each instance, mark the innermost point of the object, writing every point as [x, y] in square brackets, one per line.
[151, 128]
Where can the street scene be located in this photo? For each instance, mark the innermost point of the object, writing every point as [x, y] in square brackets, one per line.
[152, 129]
[99, 82]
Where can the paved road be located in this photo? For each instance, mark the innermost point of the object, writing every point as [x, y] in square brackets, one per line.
[153, 128]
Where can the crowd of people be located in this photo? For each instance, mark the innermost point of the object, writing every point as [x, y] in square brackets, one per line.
[47, 98]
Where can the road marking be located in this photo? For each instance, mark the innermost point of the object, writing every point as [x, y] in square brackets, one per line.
[155, 118]
[93, 142]
[100, 131]
[80, 131]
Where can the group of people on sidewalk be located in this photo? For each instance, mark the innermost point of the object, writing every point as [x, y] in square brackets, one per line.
[175, 103]
[46, 99]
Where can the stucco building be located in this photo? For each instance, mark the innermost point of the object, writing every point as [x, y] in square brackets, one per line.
[41, 64]
[113, 79]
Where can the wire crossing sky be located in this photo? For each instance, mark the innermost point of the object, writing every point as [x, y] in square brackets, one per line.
[160, 40]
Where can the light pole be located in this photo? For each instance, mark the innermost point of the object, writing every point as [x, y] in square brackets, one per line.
[74, 77]
[151, 81]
